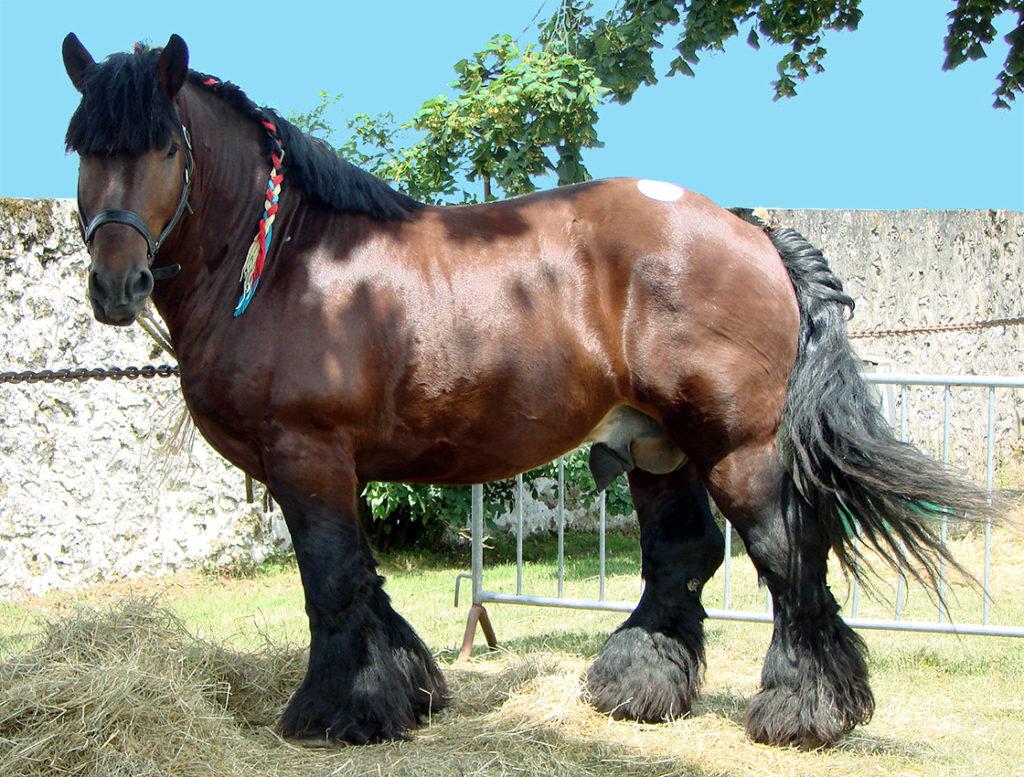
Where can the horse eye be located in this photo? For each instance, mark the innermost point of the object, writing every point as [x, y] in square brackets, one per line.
[172, 151]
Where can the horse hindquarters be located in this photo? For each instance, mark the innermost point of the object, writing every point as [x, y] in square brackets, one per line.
[835, 462]
[650, 668]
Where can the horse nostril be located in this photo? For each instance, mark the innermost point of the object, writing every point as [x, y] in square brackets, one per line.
[142, 285]
[96, 286]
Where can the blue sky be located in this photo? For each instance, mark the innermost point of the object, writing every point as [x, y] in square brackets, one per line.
[883, 127]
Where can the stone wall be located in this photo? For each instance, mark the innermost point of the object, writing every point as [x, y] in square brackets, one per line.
[922, 268]
[86, 493]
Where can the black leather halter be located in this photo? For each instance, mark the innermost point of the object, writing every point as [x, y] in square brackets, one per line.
[133, 220]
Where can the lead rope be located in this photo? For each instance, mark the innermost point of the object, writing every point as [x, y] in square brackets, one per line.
[256, 257]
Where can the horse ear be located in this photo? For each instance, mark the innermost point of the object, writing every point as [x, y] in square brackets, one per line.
[76, 60]
[173, 65]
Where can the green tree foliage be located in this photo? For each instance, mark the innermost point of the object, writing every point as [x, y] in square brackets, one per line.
[971, 29]
[516, 114]
[620, 45]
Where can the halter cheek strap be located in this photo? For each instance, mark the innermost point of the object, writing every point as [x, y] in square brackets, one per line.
[132, 219]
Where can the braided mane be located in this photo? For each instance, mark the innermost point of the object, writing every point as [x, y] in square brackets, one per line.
[123, 111]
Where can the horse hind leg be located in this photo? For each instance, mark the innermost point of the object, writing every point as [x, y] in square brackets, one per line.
[814, 685]
[850, 467]
[650, 668]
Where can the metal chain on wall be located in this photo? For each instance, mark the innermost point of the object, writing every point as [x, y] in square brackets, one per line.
[148, 322]
[969, 326]
[96, 373]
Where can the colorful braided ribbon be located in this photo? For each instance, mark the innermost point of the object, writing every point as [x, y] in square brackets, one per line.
[256, 258]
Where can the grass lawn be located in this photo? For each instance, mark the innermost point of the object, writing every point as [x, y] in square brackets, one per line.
[947, 705]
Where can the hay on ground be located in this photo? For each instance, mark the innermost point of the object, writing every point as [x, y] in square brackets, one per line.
[129, 690]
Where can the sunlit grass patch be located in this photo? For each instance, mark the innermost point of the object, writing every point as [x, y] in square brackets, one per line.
[97, 691]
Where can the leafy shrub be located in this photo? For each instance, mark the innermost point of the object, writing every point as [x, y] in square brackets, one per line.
[405, 512]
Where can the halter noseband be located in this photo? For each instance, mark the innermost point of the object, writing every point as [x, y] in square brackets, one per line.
[132, 219]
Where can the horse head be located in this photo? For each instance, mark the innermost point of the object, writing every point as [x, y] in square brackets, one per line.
[135, 168]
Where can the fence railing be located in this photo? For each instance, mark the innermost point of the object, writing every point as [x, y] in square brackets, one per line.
[894, 391]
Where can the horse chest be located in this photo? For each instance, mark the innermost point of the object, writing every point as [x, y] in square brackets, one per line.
[224, 430]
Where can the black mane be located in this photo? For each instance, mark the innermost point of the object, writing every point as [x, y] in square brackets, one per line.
[124, 111]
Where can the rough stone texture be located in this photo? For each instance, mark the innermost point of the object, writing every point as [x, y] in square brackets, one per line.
[921, 268]
[85, 494]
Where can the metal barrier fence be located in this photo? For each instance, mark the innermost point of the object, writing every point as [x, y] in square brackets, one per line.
[894, 397]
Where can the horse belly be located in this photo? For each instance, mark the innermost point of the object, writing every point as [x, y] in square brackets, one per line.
[482, 435]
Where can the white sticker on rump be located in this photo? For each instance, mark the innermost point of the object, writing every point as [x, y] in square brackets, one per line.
[659, 190]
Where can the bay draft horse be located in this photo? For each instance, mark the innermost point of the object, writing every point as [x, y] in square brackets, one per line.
[382, 339]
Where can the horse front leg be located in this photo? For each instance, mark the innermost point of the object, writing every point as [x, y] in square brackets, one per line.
[370, 678]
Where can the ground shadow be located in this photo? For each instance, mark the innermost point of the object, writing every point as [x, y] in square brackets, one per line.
[723, 703]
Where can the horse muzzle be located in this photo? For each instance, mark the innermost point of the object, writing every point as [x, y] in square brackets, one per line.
[117, 297]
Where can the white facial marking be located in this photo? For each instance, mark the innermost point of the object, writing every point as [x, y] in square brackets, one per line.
[659, 190]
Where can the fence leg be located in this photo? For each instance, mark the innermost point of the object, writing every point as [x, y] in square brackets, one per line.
[477, 614]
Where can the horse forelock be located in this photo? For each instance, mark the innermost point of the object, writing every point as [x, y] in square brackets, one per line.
[124, 111]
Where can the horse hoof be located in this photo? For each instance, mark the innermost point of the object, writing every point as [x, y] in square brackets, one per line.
[785, 718]
[310, 717]
[645, 676]
[815, 688]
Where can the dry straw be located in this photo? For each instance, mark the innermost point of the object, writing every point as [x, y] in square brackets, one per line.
[129, 690]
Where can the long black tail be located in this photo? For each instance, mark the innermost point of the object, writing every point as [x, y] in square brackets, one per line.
[842, 454]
